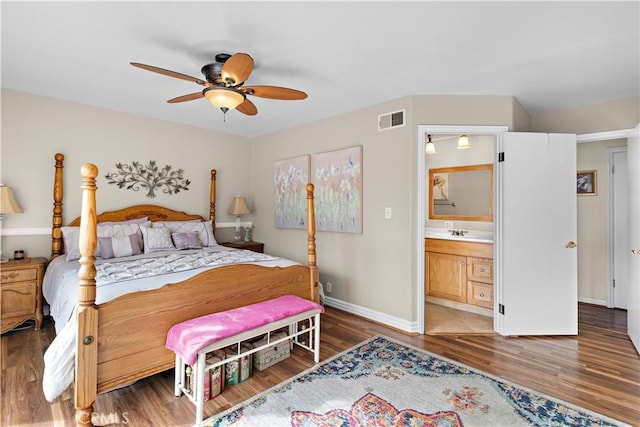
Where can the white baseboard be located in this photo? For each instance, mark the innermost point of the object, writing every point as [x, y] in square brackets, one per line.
[376, 316]
[592, 301]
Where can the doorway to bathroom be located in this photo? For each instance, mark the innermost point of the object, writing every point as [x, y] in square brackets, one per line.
[534, 224]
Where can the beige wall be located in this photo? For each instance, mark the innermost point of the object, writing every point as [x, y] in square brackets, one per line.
[376, 269]
[593, 230]
[34, 128]
[607, 116]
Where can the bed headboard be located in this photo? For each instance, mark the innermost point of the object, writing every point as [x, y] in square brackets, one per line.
[153, 212]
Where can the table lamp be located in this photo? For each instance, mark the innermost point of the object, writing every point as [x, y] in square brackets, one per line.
[238, 208]
[8, 205]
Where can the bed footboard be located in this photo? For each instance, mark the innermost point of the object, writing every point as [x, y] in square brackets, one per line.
[134, 327]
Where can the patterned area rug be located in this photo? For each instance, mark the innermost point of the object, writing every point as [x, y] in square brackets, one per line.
[381, 382]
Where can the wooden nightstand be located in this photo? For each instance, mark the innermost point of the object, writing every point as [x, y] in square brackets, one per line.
[251, 246]
[21, 292]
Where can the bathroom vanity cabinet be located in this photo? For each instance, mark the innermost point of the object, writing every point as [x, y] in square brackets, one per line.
[460, 271]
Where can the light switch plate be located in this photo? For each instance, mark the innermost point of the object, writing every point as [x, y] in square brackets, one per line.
[387, 213]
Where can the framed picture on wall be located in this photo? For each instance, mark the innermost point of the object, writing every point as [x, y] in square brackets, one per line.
[586, 183]
[338, 194]
[290, 193]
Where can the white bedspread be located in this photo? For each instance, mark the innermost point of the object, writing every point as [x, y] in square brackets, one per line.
[116, 277]
[119, 276]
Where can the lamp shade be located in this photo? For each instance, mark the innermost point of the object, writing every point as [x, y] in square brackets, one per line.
[463, 142]
[430, 148]
[238, 206]
[8, 204]
[223, 97]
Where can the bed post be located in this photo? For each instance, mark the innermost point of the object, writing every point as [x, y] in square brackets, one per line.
[86, 381]
[311, 245]
[56, 221]
[212, 200]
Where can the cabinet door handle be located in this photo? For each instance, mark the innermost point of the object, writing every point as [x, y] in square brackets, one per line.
[482, 295]
[482, 270]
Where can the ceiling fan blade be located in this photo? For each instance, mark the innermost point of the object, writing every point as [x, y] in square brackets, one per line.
[169, 73]
[274, 92]
[237, 69]
[189, 97]
[248, 108]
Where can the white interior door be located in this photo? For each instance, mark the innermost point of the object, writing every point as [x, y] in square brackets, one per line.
[620, 216]
[633, 305]
[537, 272]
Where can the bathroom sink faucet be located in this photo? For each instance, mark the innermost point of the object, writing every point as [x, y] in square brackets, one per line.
[458, 233]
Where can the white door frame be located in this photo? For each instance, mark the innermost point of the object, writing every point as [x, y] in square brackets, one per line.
[423, 130]
[610, 227]
[606, 136]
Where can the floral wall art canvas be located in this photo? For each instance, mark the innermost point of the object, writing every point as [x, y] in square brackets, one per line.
[338, 190]
[290, 198]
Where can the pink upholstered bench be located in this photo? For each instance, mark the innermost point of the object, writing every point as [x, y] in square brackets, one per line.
[193, 339]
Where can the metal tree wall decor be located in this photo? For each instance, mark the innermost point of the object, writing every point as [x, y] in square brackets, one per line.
[136, 176]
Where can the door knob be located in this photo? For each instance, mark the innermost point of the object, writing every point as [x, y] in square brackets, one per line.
[635, 251]
[571, 244]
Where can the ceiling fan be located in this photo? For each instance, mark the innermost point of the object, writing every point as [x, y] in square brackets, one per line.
[223, 84]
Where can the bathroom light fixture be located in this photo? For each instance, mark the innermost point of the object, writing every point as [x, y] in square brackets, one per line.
[430, 148]
[463, 142]
[224, 98]
[238, 208]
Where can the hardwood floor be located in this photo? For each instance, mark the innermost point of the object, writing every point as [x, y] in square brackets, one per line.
[599, 369]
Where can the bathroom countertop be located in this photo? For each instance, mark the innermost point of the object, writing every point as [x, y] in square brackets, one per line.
[469, 235]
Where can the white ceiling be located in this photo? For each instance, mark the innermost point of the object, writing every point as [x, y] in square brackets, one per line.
[345, 55]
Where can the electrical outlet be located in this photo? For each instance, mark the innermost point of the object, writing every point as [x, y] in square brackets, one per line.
[448, 225]
[387, 213]
[328, 287]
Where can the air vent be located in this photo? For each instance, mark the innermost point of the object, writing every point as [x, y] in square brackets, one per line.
[391, 120]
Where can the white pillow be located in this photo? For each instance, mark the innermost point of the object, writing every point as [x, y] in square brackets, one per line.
[121, 230]
[208, 225]
[156, 239]
[119, 246]
[71, 239]
[71, 236]
[203, 228]
[186, 240]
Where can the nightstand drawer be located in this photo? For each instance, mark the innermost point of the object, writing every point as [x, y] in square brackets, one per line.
[18, 300]
[19, 275]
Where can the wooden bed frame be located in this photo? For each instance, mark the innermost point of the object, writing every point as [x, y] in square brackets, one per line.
[123, 340]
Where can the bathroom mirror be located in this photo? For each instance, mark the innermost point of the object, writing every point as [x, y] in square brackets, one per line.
[463, 193]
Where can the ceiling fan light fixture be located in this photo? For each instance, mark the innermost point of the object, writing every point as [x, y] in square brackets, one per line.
[224, 98]
[463, 142]
[430, 148]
